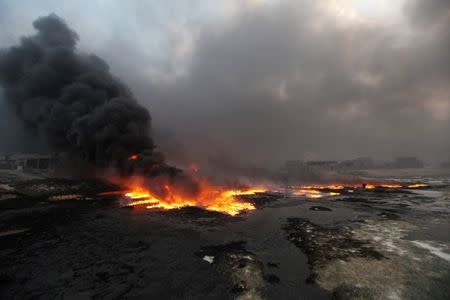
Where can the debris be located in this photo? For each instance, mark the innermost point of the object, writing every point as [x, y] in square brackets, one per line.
[238, 264]
[208, 258]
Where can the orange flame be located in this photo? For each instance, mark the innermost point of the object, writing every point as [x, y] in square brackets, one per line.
[133, 157]
[320, 190]
[391, 186]
[417, 185]
[308, 193]
[210, 198]
[221, 199]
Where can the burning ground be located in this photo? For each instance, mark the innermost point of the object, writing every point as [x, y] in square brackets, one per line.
[80, 238]
[137, 227]
[73, 100]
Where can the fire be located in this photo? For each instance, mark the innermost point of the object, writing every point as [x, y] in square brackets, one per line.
[391, 186]
[308, 193]
[417, 185]
[321, 190]
[323, 187]
[225, 200]
[210, 198]
[133, 157]
[395, 186]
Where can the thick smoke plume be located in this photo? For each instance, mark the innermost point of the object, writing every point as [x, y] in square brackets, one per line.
[79, 106]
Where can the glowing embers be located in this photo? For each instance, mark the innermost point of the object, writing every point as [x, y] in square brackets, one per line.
[133, 157]
[394, 186]
[209, 198]
[313, 194]
[318, 191]
[371, 186]
[323, 190]
[391, 186]
[417, 185]
[323, 187]
[308, 193]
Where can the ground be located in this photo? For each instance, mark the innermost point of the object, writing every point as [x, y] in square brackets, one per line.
[368, 244]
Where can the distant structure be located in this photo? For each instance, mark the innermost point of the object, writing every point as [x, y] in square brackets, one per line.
[294, 166]
[358, 163]
[323, 165]
[406, 162]
[28, 161]
[297, 170]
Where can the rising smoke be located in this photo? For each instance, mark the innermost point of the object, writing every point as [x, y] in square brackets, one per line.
[81, 108]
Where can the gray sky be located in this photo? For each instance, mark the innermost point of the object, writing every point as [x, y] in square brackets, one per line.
[264, 81]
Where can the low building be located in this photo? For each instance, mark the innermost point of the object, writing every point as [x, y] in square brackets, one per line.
[358, 163]
[28, 161]
[406, 162]
[324, 165]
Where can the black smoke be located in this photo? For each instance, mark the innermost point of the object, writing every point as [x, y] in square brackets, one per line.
[293, 80]
[80, 107]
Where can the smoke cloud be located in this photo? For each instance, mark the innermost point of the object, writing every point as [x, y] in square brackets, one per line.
[77, 104]
[273, 80]
[295, 81]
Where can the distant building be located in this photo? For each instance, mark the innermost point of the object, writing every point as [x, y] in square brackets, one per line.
[325, 165]
[358, 163]
[27, 161]
[405, 162]
[294, 169]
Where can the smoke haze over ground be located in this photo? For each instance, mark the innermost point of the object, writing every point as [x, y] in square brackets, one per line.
[258, 82]
[72, 97]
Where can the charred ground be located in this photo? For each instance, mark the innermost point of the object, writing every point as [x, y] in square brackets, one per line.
[86, 245]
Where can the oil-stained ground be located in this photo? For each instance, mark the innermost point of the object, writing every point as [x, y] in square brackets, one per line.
[368, 244]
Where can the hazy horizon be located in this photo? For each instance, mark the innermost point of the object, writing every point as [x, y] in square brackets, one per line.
[261, 82]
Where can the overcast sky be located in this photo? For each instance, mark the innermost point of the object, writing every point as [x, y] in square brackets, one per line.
[263, 81]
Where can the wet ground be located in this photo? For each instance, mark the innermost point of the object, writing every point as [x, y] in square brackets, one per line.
[367, 244]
